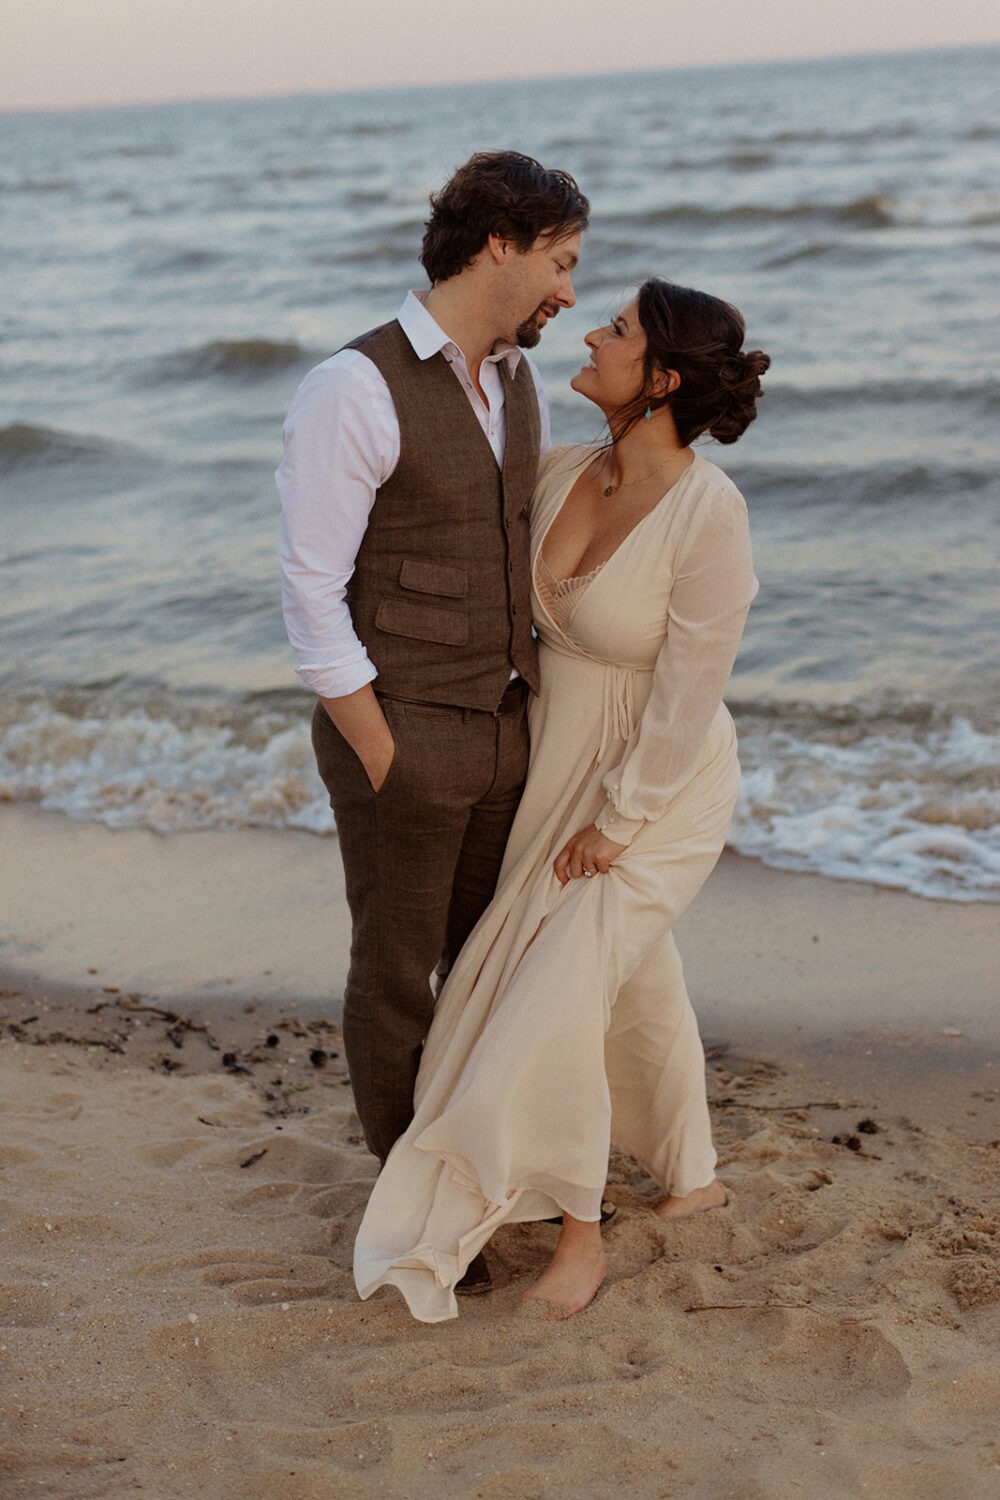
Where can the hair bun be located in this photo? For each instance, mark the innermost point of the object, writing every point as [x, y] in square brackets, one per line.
[739, 379]
[742, 369]
[732, 370]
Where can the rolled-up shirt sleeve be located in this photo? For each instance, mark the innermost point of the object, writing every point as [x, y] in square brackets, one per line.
[341, 443]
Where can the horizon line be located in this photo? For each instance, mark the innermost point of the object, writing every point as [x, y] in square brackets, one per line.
[179, 101]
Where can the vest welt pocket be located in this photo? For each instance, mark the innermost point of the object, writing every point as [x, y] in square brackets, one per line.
[434, 578]
[422, 622]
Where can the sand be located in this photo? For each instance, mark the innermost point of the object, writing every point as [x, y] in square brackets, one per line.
[182, 1176]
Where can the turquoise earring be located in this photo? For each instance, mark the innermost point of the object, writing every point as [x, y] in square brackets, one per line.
[649, 412]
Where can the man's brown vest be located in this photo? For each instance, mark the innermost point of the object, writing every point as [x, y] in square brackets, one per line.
[440, 594]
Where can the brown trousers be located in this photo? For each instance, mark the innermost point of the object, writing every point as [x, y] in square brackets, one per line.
[421, 860]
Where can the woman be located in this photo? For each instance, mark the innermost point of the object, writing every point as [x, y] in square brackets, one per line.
[565, 1023]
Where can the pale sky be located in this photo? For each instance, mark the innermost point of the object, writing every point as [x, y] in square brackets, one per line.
[58, 54]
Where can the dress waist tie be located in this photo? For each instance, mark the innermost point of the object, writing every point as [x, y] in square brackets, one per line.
[618, 717]
[619, 706]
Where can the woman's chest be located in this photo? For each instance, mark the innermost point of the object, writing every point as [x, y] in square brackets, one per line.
[588, 530]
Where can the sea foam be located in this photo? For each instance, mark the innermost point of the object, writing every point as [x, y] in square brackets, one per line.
[914, 807]
[917, 811]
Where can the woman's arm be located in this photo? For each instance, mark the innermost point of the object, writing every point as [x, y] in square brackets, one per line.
[713, 587]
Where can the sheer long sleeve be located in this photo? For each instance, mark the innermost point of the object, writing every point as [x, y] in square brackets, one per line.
[712, 590]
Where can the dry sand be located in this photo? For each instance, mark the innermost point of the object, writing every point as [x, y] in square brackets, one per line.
[182, 1177]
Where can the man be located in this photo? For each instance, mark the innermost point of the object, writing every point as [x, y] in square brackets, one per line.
[410, 458]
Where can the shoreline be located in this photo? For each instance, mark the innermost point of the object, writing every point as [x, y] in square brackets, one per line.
[798, 965]
[172, 952]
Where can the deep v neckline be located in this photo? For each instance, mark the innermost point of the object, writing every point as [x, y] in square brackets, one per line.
[602, 566]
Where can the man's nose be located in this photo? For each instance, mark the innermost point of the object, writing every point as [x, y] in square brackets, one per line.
[566, 296]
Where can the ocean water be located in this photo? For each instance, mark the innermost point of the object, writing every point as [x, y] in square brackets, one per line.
[170, 274]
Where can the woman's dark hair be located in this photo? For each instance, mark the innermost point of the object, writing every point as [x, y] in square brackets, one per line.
[701, 337]
[498, 192]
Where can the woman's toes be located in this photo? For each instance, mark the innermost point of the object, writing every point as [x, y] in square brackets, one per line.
[698, 1202]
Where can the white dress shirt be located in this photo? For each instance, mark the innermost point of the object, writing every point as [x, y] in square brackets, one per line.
[341, 443]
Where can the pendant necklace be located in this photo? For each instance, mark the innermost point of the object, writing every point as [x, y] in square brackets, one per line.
[622, 484]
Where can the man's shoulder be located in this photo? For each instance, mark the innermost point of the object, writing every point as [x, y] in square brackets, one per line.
[354, 353]
[346, 382]
[391, 348]
[348, 366]
[382, 333]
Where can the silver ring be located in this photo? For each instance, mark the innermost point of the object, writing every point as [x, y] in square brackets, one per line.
[587, 874]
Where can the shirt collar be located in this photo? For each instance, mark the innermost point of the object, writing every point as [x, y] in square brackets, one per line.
[428, 337]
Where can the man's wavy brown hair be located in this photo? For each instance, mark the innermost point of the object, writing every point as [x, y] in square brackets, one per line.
[503, 193]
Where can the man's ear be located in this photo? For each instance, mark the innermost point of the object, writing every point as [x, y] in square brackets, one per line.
[497, 247]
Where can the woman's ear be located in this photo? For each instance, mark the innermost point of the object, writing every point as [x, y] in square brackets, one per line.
[664, 383]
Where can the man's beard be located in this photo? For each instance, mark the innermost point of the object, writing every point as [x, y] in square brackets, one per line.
[529, 332]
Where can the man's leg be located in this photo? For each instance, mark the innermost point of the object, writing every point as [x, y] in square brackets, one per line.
[401, 848]
[487, 830]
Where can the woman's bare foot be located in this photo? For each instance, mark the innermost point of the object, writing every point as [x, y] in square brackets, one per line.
[572, 1277]
[713, 1196]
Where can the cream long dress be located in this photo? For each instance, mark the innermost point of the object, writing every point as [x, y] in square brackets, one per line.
[565, 1024]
